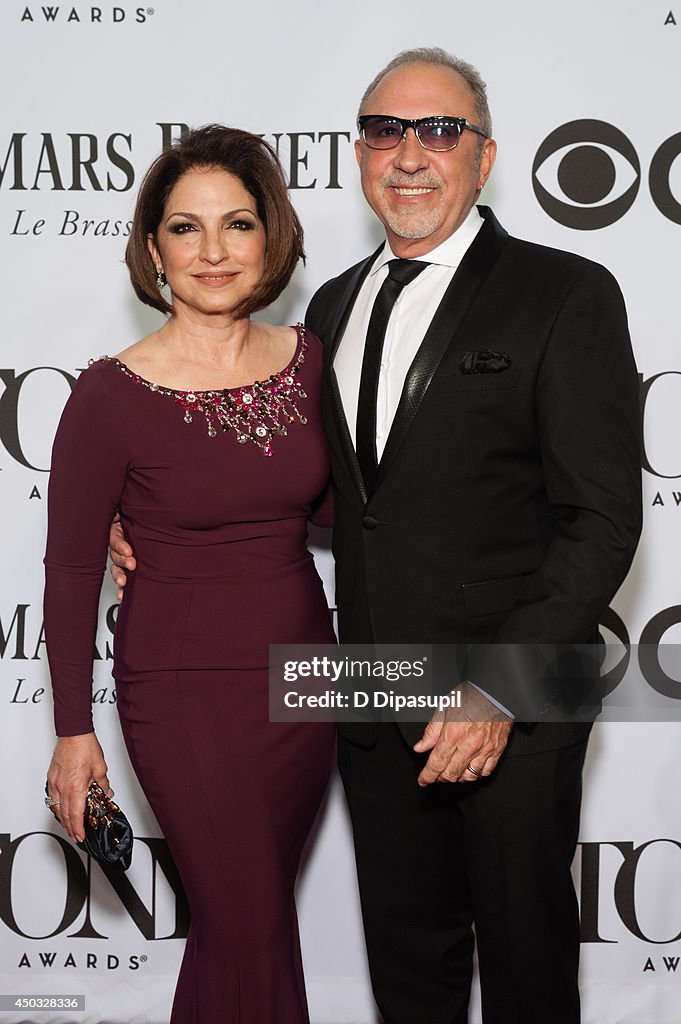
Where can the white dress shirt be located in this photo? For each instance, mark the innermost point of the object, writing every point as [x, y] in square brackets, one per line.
[412, 313]
[411, 316]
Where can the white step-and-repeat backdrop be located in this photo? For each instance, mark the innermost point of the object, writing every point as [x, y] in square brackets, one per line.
[585, 98]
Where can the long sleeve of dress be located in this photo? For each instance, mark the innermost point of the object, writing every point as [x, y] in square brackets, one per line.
[90, 458]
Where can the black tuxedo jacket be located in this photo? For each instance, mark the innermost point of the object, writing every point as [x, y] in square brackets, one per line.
[508, 502]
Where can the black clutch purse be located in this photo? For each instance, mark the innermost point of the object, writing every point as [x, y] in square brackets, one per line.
[108, 833]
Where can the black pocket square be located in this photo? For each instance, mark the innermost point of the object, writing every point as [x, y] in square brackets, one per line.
[485, 361]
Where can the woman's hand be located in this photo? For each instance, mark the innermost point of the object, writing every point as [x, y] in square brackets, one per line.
[76, 761]
[121, 555]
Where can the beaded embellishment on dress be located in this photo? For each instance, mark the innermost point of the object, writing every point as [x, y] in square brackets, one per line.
[256, 412]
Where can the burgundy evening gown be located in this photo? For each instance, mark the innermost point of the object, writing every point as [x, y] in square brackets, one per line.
[218, 524]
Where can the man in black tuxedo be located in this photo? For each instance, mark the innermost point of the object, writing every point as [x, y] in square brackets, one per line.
[485, 456]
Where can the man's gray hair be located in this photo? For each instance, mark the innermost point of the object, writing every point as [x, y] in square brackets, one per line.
[437, 56]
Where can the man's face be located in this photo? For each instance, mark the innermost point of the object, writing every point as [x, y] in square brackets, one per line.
[422, 196]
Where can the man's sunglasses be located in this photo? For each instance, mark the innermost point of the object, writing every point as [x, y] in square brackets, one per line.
[380, 131]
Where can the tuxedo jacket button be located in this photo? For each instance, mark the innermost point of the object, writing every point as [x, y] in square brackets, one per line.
[369, 522]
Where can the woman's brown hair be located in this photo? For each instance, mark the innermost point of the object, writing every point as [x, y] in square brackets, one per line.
[250, 159]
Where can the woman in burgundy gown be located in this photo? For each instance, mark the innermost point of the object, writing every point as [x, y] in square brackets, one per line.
[206, 437]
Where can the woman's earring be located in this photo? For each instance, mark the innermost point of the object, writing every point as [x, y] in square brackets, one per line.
[160, 279]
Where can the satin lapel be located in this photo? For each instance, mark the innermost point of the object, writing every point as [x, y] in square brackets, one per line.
[467, 281]
[343, 309]
[345, 302]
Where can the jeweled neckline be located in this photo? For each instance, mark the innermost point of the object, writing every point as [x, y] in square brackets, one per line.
[256, 412]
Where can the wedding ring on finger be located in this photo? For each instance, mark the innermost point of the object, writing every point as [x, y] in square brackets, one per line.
[474, 771]
[49, 802]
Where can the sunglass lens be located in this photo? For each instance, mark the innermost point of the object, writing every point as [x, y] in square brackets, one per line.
[439, 134]
[382, 132]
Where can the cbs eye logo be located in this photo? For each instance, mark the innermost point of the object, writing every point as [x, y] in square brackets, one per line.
[587, 174]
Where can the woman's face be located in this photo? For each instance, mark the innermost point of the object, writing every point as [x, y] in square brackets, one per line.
[210, 243]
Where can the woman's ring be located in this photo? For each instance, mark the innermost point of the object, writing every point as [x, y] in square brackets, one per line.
[49, 802]
[475, 771]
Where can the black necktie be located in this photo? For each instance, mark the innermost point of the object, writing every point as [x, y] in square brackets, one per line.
[400, 274]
